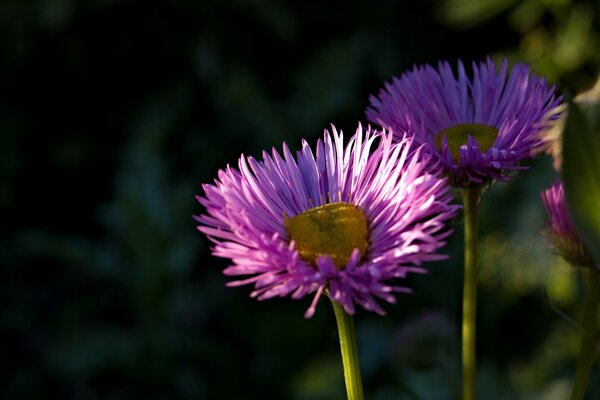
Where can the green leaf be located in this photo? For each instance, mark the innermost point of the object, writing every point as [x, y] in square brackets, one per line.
[581, 172]
[469, 13]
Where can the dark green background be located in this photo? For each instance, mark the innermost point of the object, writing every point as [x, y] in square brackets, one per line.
[112, 114]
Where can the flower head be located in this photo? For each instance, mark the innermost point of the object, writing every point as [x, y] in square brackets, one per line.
[478, 129]
[349, 221]
[560, 230]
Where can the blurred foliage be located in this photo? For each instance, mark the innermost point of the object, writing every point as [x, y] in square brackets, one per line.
[113, 112]
[559, 38]
[581, 172]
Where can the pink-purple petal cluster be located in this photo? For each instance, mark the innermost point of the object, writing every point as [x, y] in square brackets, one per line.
[425, 101]
[560, 230]
[406, 208]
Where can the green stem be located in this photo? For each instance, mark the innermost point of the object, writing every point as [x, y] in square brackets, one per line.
[587, 350]
[345, 325]
[469, 367]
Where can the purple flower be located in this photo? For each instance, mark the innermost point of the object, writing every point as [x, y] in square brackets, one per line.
[560, 230]
[478, 129]
[348, 222]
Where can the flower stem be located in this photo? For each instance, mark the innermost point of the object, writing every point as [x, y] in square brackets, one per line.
[345, 324]
[588, 338]
[469, 367]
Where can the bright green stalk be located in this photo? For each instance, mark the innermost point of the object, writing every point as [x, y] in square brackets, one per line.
[347, 334]
[587, 350]
[469, 366]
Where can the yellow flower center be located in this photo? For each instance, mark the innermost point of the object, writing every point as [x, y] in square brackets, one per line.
[459, 134]
[334, 229]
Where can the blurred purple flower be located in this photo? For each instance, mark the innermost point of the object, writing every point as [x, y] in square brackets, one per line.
[560, 230]
[348, 222]
[425, 339]
[478, 129]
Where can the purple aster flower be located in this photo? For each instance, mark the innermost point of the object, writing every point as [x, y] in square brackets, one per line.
[348, 221]
[560, 230]
[478, 129]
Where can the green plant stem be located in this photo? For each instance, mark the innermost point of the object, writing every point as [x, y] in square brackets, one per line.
[469, 366]
[345, 324]
[587, 350]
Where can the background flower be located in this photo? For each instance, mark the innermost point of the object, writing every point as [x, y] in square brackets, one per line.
[560, 230]
[267, 217]
[478, 128]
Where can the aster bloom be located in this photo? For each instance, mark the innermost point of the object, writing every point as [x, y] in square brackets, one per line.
[478, 129]
[563, 236]
[560, 230]
[351, 221]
